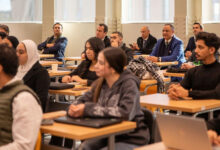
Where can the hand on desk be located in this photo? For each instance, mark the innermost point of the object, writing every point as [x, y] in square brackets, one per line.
[187, 66]
[76, 110]
[68, 79]
[152, 58]
[176, 92]
[213, 137]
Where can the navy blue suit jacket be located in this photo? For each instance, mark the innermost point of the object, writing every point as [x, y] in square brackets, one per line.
[191, 44]
[58, 49]
[176, 51]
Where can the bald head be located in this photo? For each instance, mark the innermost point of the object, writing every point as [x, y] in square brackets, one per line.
[145, 32]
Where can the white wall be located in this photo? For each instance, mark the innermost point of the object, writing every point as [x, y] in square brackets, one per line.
[76, 33]
[26, 31]
[212, 27]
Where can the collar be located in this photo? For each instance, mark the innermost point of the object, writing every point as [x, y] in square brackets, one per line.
[10, 82]
[145, 38]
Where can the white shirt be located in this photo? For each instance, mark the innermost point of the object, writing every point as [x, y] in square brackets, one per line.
[27, 115]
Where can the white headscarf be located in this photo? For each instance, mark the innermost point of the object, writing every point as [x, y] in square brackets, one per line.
[33, 57]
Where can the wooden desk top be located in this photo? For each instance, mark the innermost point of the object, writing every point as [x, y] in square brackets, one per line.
[73, 59]
[72, 67]
[191, 106]
[81, 133]
[46, 55]
[52, 115]
[174, 74]
[166, 63]
[155, 146]
[58, 73]
[49, 63]
[150, 82]
[71, 92]
[136, 56]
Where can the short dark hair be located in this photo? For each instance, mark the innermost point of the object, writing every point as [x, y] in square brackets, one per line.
[119, 33]
[5, 27]
[14, 41]
[3, 35]
[8, 60]
[58, 24]
[201, 27]
[210, 39]
[116, 58]
[171, 26]
[105, 27]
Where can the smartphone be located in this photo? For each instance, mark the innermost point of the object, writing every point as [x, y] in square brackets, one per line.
[131, 45]
[47, 122]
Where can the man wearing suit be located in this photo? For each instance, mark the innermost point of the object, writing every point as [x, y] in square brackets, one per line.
[101, 33]
[146, 42]
[169, 48]
[197, 27]
[55, 44]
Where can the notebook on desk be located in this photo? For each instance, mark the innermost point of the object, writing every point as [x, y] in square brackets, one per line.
[89, 122]
[183, 133]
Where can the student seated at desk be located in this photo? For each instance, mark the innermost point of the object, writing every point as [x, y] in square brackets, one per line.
[114, 94]
[20, 113]
[31, 72]
[85, 72]
[214, 131]
[201, 82]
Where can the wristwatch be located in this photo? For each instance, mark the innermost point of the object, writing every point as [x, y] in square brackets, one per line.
[159, 59]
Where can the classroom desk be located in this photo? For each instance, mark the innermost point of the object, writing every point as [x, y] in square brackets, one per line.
[46, 56]
[76, 132]
[72, 67]
[155, 146]
[148, 83]
[52, 115]
[58, 73]
[78, 90]
[162, 64]
[73, 59]
[191, 106]
[169, 74]
[136, 56]
[49, 63]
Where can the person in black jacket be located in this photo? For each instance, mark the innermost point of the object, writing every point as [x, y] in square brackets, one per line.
[197, 27]
[56, 44]
[101, 33]
[116, 39]
[146, 42]
[85, 73]
[31, 72]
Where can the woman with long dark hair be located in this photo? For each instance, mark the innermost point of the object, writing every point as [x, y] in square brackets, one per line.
[85, 72]
[114, 94]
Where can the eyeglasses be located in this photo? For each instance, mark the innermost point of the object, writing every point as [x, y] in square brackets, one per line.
[113, 37]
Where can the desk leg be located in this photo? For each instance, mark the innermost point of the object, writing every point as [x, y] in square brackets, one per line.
[111, 142]
[56, 79]
[179, 112]
[210, 115]
[57, 97]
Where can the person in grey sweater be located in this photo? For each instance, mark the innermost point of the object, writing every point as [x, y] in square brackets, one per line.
[114, 94]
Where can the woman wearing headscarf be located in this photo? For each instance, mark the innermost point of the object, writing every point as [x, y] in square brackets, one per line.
[31, 72]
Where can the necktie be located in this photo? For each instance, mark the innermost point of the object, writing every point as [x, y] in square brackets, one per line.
[166, 44]
[144, 43]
